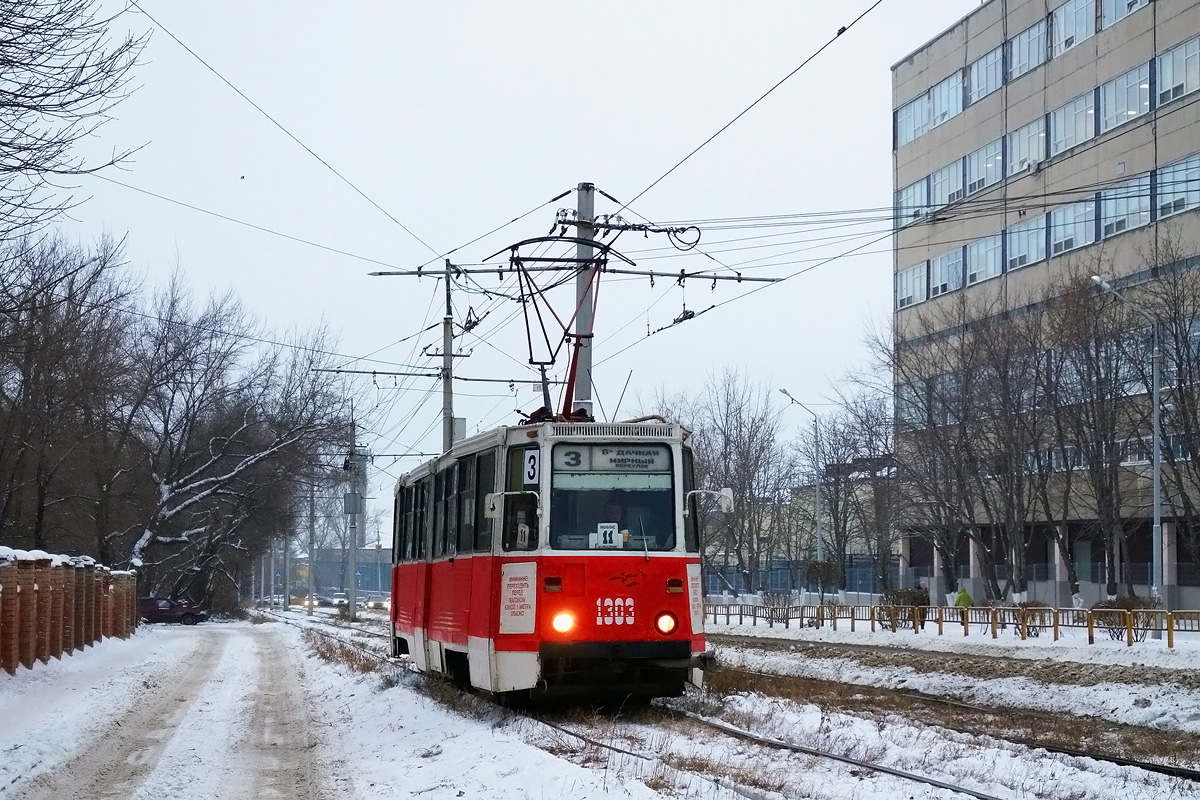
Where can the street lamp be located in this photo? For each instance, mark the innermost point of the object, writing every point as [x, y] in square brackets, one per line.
[1156, 544]
[817, 478]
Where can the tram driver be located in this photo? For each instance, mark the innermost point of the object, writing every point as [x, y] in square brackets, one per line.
[614, 512]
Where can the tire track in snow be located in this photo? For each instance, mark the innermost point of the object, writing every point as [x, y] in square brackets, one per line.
[114, 762]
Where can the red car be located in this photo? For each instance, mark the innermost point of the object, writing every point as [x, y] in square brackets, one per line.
[162, 609]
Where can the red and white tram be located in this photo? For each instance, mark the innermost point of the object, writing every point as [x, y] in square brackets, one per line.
[553, 559]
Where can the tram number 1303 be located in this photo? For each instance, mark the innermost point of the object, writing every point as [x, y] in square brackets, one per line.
[614, 610]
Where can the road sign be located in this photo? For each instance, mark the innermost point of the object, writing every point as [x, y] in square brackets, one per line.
[278, 574]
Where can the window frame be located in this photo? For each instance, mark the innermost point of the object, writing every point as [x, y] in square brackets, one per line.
[1113, 11]
[1025, 243]
[913, 117]
[912, 203]
[946, 272]
[1117, 95]
[982, 159]
[1085, 221]
[912, 284]
[1081, 114]
[951, 177]
[1026, 146]
[989, 246]
[1187, 190]
[1185, 59]
[946, 100]
[1118, 209]
[990, 68]
[1067, 21]
[1027, 50]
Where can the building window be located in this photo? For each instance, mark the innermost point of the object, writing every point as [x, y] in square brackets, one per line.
[1125, 206]
[946, 272]
[912, 120]
[1179, 71]
[1070, 24]
[1124, 98]
[1027, 146]
[1073, 123]
[946, 99]
[911, 405]
[1027, 243]
[912, 203]
[1179, 187]
[1027, 50]
[1117, 10]
[910, 286]
[946, 186]
[984, 167]
[1072, 226]
[983, 259]
[985, 75]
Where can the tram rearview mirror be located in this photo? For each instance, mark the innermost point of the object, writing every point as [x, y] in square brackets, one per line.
[493, 505]
[726, 500]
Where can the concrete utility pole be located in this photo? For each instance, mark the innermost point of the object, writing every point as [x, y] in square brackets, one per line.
[312, 540]
[354, 507]
[287, 572]
[1156, 541]
[448, 370]
[585, 293]
[816, 477]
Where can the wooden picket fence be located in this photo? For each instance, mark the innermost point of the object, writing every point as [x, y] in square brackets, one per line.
[48, 609]
[1025, 622]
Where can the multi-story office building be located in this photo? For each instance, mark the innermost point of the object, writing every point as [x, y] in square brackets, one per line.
[1037, 136]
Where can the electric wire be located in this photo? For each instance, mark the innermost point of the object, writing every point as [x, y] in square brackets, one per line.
[746, 110]
[281, 127]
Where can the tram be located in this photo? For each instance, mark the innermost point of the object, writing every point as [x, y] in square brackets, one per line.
[554, 559]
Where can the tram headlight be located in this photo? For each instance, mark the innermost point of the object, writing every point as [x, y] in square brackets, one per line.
[666, 623]
[563, 622]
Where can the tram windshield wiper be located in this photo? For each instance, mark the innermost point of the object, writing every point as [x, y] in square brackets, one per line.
[645, 544]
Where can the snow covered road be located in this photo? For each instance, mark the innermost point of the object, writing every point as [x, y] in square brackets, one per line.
[211, 711]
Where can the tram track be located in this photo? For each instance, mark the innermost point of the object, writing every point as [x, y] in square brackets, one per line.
[1018, 726]
[595, 736]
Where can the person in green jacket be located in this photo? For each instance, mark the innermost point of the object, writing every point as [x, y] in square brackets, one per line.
[963, 601]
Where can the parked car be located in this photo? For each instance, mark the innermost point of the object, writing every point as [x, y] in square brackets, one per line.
[163, 609]
[340, 599]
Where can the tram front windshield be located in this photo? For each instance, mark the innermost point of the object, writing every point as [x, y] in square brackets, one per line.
[612, 497]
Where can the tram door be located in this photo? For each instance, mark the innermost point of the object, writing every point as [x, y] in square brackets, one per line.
[418, 589]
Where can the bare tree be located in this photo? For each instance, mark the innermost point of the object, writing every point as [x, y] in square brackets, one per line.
[737, 444]
[61, 77]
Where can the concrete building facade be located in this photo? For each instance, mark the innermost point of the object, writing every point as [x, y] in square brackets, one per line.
[1037, 134]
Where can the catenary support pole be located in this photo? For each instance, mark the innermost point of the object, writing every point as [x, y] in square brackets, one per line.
[585, 287]
[448, 370]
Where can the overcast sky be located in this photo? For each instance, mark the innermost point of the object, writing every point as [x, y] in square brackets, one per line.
[457, 117]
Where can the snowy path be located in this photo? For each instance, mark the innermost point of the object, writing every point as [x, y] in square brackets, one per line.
[214, 712]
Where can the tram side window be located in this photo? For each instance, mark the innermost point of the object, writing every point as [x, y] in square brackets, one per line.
[691, 529]
[521, 510]
[399, 528]
[421, 519]
[486, 484]
[466, 504]
[408, 547]
[450, 508]
[439, 514]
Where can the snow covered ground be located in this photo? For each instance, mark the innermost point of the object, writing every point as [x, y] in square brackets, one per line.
[238, 711]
